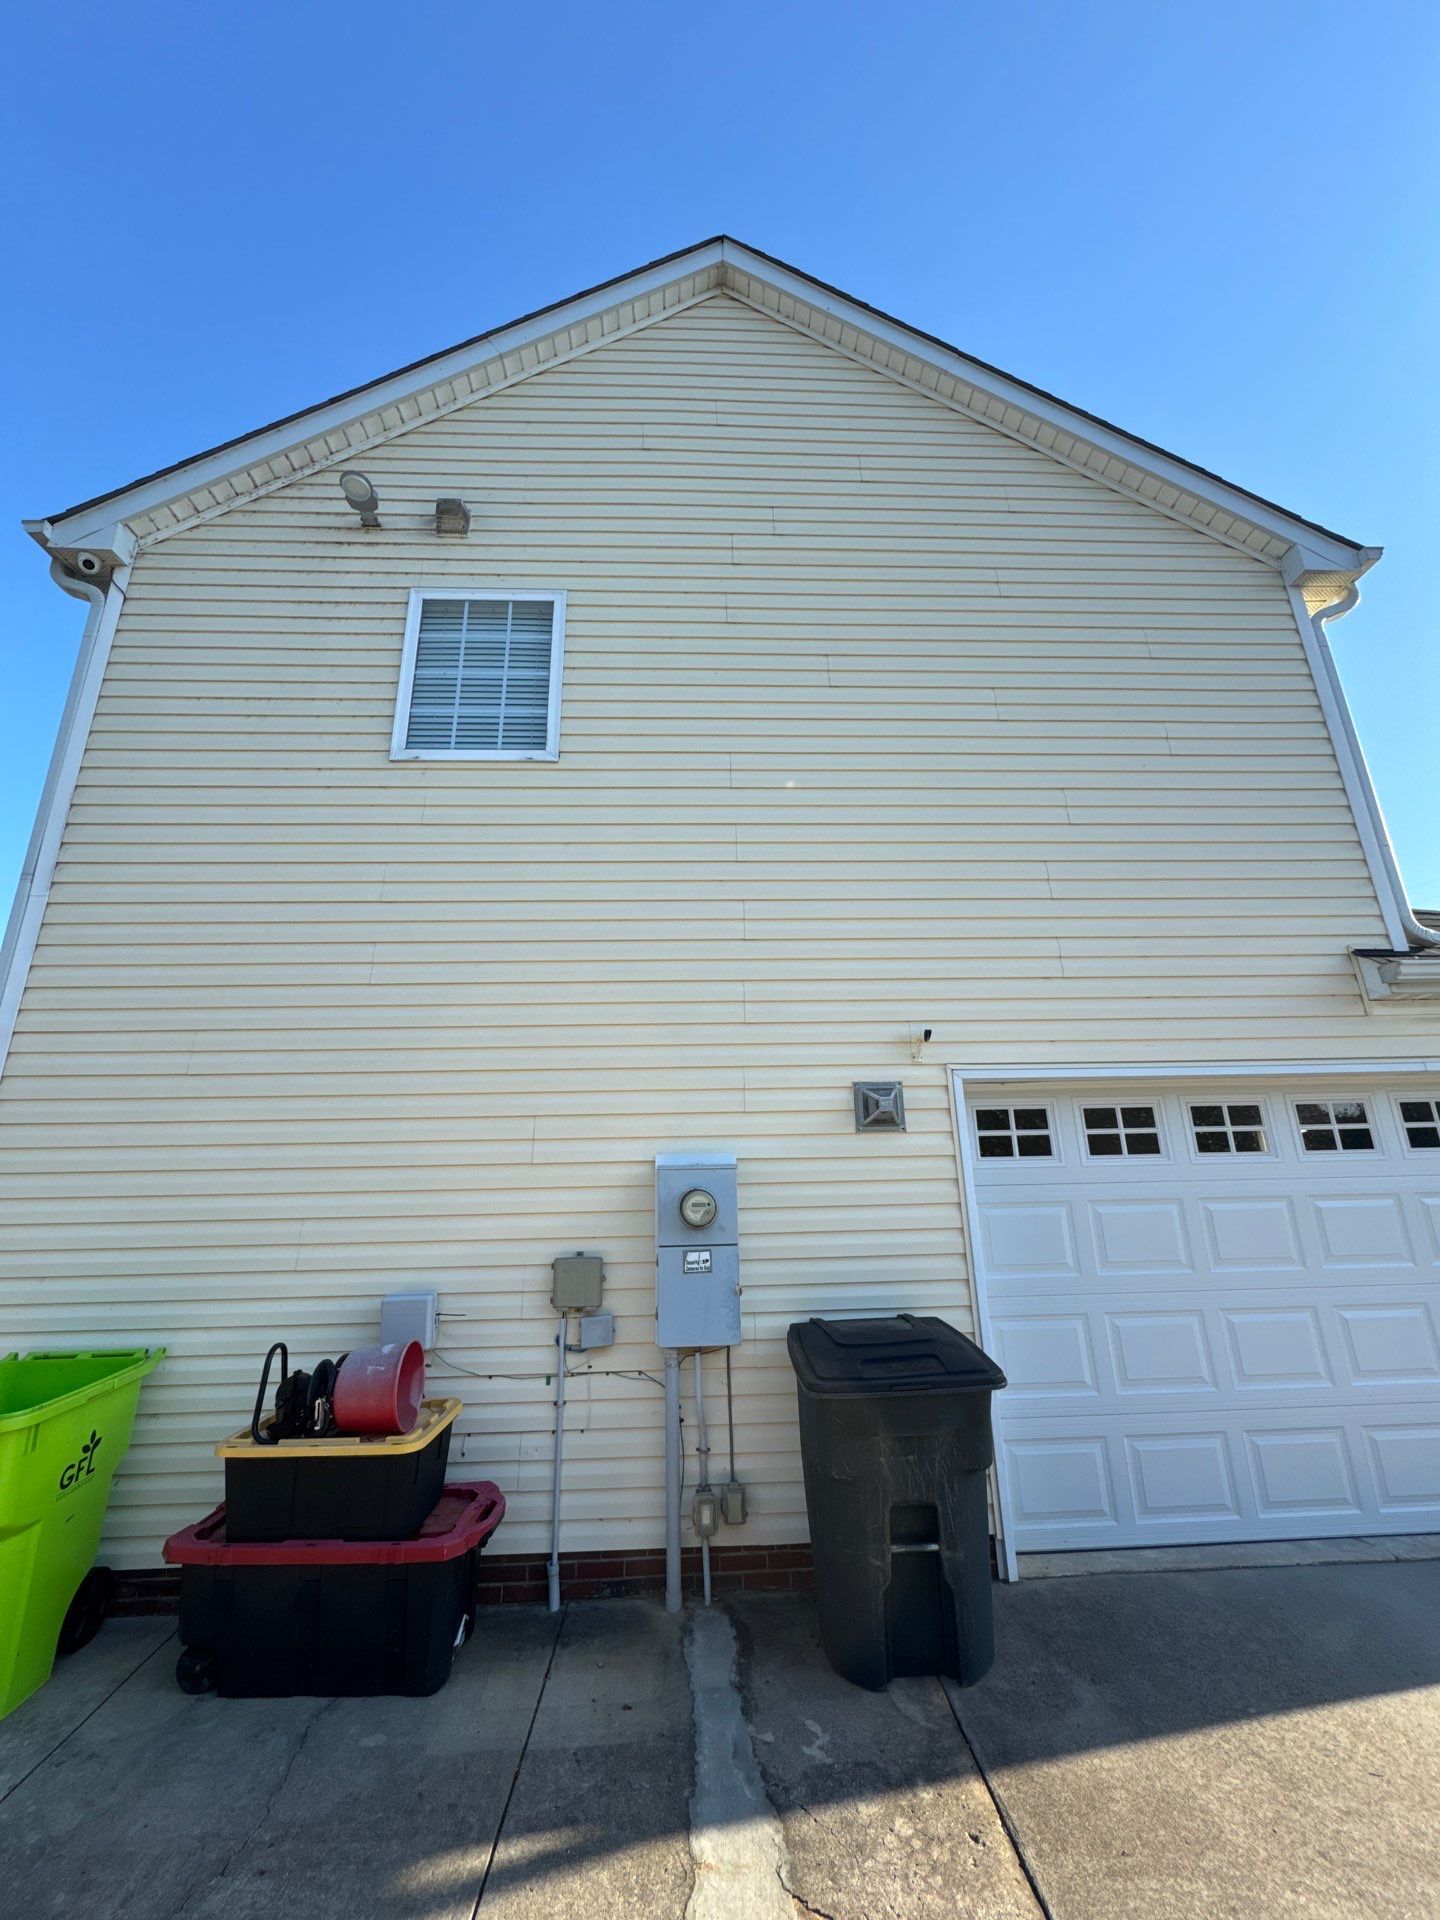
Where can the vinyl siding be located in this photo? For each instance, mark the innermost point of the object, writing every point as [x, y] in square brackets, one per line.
[873, 719]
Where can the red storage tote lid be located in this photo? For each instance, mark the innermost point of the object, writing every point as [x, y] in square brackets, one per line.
[464, 1517]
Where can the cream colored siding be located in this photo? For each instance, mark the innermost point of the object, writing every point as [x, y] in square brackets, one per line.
[873, 719]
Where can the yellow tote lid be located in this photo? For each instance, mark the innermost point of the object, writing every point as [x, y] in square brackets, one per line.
[435, 1415]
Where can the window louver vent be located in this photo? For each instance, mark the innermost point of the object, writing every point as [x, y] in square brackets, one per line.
[482, 677]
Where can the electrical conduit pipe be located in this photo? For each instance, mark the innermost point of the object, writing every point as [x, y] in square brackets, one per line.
[552, 1569]
[702, 1448]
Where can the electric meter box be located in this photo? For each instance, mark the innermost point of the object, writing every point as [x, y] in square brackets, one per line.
[697, 1250]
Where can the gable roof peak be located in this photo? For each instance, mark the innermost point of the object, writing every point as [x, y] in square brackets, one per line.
[156, 505]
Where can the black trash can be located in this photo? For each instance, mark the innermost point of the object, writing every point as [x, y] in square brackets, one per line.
[895, 1436]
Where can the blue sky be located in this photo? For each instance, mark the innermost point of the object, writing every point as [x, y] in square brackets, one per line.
[1215, 226]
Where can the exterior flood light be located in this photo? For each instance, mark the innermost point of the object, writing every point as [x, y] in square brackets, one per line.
[362, 497]
[452, 516]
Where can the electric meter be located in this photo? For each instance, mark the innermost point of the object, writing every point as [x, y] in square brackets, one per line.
[698, 1208]
[697, 1250]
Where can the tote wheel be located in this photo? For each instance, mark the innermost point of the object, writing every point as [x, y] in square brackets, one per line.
[87, 1610]
[195, 1670]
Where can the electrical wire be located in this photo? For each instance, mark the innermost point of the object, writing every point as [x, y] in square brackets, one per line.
[572, 1373]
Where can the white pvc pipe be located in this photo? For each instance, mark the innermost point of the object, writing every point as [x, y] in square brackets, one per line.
[702, 1448]
[672, 1480]
[552, 1571]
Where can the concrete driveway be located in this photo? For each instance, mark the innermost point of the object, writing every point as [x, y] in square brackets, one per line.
[1225, 1743]
[1196, 1744]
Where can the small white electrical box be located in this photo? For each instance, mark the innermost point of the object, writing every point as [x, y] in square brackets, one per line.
[697, 1250]
[596, 1330]
[408, 1316]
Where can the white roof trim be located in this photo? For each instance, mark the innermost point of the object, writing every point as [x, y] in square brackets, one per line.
[1397, 976]
[339, 429]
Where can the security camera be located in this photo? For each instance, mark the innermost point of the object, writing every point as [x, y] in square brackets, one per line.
[919, 1040]
[89, 564]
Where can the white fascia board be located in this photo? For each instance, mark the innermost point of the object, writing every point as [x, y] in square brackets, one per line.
[1327, 553]
[85, 527]
[80, 529]
[23, 930]
[1398, 976]
[109, 537]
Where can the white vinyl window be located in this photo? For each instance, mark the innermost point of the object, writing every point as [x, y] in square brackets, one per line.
[1331, 1126]
[1229, 1126]
[1013, 1133]
[1121, 1132]
[1421, 1121]
[480, 675]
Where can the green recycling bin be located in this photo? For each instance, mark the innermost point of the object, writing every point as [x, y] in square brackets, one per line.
[65, 1421]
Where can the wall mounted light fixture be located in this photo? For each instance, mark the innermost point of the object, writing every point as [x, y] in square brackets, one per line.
[362, 497]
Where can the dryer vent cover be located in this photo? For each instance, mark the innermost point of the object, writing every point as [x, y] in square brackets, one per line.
[879, 1103]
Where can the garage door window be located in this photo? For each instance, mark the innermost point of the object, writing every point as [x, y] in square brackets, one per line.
[1111, 1132]
[1330, 1126]
[1013, 1133]
[1421, 1120]
[1228, 1126]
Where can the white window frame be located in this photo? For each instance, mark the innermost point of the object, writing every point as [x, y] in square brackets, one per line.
[1012, 1133]
[1371, 1102]
[1404, 1125]
[447, 591]
[1196, 1097]
[1124, 1157]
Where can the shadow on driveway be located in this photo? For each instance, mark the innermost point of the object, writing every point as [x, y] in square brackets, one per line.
[1228, 1743]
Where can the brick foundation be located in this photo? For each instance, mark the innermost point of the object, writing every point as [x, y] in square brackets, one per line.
[520, 1577]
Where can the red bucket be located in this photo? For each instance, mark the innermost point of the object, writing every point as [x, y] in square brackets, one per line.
[379, 1389]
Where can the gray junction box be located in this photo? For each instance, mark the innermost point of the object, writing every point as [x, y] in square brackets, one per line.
[577, 1283]
[697, 1250]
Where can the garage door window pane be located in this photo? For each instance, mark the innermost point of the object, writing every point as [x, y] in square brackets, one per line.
[1009, 1133]
[1421, 1119]
[1230, 1126]
[1334, 1126]
[1111, 1132]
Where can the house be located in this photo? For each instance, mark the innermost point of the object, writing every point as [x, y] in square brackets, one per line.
[704, 695]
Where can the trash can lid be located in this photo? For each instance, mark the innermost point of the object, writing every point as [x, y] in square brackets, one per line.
[907, 1353]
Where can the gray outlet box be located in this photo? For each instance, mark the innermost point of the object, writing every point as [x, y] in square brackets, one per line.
[578, 1282]
[596, 1330]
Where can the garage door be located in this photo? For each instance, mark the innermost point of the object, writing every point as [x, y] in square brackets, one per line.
[1217, 1309]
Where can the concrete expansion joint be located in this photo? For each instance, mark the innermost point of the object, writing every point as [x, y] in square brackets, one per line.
[737, 1845]
[997, 1800]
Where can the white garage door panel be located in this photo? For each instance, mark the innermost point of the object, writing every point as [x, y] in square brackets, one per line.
[1213, 1346]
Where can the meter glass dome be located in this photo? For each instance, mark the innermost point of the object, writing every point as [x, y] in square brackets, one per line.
[697, 1208]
